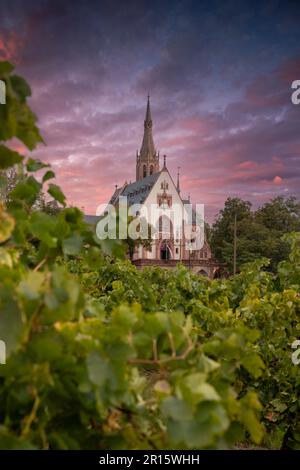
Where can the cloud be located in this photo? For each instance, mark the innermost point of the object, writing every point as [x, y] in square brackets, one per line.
[277, 180]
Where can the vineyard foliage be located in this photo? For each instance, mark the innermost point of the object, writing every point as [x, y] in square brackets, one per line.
[101, 355]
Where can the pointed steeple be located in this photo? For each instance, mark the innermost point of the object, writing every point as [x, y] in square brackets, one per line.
[147, 149]
[147, 161]
[148, 111]
[178, 184]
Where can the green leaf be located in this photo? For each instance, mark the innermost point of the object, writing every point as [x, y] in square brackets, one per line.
[10, 323]
[12, 442]
[98, 369]
[27, 190]
[56, 193]
[43, 227]
[279, 405]
[5, 68]
[35, 165]
[5, 257]
[30, 287]
[48, 175]
[7, 224]
[253, 426]
[47, 346]
[176, 409]
[20, 87]
[198, 389]
[9, 158]
[72, 245]
[253, 364]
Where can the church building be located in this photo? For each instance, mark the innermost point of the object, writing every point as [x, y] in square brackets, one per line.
[154, 187]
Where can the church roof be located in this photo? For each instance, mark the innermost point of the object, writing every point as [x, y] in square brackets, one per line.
[138, 191]
[115, 195]
[91, 219]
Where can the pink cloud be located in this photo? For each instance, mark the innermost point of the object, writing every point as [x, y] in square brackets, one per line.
[277, 180]
[247, 165]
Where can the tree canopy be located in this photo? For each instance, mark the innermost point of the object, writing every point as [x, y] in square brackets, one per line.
[259, 232]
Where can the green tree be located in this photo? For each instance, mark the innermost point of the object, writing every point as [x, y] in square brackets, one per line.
[222, 231]
[259, 233]
[8, 181]
[278, 216]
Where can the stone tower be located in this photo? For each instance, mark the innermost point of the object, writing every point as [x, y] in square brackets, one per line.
[147, 161]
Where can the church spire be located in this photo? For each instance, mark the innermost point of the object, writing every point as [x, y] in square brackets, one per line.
[178, 184]
[148, 111]
[147, 160]
[147, 149]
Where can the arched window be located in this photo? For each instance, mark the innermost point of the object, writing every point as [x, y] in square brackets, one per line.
[144, 171]
[165, 225]
[151, 169]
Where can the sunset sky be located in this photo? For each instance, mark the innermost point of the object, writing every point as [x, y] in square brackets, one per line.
[219, 75]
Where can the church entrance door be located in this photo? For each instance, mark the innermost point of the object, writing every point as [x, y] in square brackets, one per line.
[165, 252]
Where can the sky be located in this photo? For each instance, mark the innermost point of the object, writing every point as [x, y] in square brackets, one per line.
[219, 75]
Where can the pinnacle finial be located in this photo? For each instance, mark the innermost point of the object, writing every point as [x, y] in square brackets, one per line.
[165, 158]
[148, 119]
